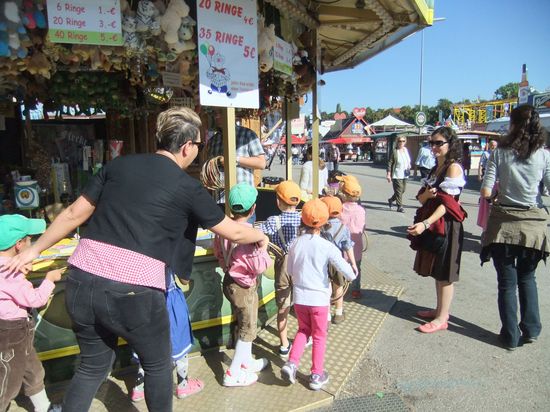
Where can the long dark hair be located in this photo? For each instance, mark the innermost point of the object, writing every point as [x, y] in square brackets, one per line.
[454, 154]
[526, 135]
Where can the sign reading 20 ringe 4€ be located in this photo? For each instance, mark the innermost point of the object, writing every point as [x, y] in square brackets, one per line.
[228, 55]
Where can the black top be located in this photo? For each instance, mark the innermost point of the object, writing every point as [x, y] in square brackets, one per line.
[144, 203]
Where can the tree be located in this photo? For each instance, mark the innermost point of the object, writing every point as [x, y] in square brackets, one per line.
[508, 91]
[445, 106]
[338, 108]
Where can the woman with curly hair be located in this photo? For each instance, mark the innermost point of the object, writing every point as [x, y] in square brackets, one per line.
[516, 236]
[437, 234]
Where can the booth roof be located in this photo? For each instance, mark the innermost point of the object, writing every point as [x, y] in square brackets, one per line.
[390, 121]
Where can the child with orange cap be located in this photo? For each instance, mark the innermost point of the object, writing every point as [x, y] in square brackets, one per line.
[282, 230]
[308, 261]
[338, 234]
[353, 216]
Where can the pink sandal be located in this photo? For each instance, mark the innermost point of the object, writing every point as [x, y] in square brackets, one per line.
[431, 327]
[193, 386]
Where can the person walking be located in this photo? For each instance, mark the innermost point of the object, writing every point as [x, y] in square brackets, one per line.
[425, 161]
[334, 156]
[116, 283]
[491, 146]
[399, 166]
[306, 175]
[516, 237]
[437, 234]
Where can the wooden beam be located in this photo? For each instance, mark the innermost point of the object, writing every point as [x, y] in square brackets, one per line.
[229, 152]
[350, 12]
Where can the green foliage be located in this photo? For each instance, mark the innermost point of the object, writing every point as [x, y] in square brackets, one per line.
[508, 91]
[338, 108]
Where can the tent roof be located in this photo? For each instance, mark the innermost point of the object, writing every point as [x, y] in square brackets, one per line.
[348, 140]
[389, 121]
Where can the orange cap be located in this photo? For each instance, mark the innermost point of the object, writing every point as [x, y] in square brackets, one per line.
[289, 192]
[334, 205]
[315, 213]
[350, 185]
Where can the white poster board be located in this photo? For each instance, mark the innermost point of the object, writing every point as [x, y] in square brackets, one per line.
[85, 22]
[228, 57]
[282, 56]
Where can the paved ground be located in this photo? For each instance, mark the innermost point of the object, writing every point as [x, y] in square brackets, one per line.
[462, 369]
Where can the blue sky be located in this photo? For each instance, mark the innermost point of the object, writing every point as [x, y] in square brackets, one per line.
[480, 46]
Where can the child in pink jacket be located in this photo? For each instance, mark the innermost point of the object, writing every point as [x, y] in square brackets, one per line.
[353, 216]
[242, 265]
[19, 363]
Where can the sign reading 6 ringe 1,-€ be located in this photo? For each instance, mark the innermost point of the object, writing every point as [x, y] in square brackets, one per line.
[26, 194]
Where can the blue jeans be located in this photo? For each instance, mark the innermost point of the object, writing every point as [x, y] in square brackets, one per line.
[103, 310]
[516, 266]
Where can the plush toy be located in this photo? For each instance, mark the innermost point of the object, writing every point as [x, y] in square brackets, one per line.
[33, 17]
[146, 11]
[185, 36]
[171, 21]
[131, 40]
[39, 64]
[266, 42]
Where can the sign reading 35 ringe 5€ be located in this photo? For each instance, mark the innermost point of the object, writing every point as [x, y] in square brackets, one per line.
[228, 57]
[85, 22]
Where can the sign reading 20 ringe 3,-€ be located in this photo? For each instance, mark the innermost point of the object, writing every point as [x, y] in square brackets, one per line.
[228, 55]
[85, 22]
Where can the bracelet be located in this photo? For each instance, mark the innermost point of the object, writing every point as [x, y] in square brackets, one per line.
[426, 224]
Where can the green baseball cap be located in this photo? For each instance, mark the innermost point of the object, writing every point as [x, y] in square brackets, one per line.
[16, 227]
[242, 197]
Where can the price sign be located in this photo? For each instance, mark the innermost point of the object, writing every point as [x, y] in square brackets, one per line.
[282, 56]
[228, 53]
[85, 22]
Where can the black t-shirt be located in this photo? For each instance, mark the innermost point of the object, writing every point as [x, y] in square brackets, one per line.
[144, 203]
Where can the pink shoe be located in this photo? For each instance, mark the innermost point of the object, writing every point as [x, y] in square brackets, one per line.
[193, 386]
[138, 394]
[431, 327]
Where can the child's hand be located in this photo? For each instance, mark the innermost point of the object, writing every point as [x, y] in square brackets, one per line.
[55, 275]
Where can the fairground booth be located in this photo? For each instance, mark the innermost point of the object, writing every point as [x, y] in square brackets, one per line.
[82, 82]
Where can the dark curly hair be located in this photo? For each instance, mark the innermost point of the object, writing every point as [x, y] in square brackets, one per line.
[454, 154]
[526, 134]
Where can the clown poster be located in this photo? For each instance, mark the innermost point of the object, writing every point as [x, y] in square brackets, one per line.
[228, 56]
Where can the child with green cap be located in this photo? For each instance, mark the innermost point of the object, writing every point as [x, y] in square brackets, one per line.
[242, 264]
[19, 363]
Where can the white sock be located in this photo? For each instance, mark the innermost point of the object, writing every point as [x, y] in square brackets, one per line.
[243, 354]
[339, 311]
[182, 366]
[254, 364]
[40, 401]
[329, 316]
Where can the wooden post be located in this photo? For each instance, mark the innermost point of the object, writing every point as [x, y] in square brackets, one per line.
[315, 125]
[288, 141]
[132, 134]
[229, 152]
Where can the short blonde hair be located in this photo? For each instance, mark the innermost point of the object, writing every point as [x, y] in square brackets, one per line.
[177, 126]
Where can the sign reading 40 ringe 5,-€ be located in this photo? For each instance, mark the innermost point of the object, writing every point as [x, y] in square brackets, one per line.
[228, 55]
[85, 22]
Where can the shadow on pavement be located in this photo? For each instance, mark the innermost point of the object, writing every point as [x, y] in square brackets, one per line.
[377, 299]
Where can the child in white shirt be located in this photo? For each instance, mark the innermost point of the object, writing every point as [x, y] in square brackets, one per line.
[308, 261]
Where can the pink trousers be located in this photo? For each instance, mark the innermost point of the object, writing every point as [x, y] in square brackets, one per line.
[312, 321]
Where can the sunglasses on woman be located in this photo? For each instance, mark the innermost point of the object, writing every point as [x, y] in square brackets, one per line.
[437, 143]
